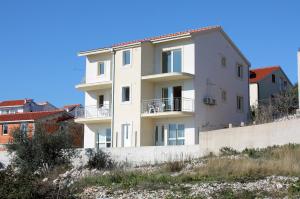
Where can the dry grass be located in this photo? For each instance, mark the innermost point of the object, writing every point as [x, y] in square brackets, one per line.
[283, 160]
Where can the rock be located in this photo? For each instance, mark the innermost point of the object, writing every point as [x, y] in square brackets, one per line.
[45, 180]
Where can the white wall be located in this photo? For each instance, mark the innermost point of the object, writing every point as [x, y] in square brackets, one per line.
[253, 94]
[188, 54]
[92, 68]
[211, 78]
[90, 131]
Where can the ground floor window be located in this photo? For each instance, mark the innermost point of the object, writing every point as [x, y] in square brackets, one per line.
[103, 138]
[176, 134]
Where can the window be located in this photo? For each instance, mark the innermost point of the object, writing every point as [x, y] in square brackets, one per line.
[224, 96]
[100, 101]
[223, 61]
[285, 84]
[103, 139]
[101, 68]
[125, 94]
[176, 134]
[126, 57]
[4, 129]
[239, 103]
[273, 78]
[23, 128]
[171, 61]
[239, 69]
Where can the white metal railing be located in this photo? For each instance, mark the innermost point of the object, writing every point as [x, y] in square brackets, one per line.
[168, 104]
[93, 112]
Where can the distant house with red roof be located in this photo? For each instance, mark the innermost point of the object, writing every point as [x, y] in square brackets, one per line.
[266, 82]
[25, 114]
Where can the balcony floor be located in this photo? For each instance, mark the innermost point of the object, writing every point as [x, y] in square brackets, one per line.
[95, 120]
[163, 77]
[94, 86]
[168, 114]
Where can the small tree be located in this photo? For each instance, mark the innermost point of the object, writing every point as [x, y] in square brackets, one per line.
[44, 148]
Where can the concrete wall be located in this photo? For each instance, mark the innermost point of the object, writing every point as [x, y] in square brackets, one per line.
[239, 138]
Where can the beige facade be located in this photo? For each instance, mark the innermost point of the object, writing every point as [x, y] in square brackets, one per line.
[163, 90]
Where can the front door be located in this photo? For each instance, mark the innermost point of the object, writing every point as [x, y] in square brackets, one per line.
[159, 135]
[126, 135]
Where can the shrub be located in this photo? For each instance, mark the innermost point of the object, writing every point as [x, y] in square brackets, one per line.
[42, 149]
[228, 151]
[174, 166]
[99, 160]
[1, 165]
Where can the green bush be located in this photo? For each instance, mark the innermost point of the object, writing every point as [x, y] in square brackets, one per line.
[228, 151]
[174, 166]
[44, 149]
[99, 160]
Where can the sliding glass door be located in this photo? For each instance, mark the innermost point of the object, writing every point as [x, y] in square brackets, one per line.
[176, 135]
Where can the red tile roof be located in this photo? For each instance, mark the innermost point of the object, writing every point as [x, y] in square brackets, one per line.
[167, 35]
[72, 105]
[28, 115]
[14, 102]
[260, 73]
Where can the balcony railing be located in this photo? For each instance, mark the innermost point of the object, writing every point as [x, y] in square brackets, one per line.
[168, 104]
[93, 112]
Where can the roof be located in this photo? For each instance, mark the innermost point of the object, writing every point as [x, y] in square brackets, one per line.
[31, 116]
[14, 102]
[165, 36]
[260, 73]
[72, 105]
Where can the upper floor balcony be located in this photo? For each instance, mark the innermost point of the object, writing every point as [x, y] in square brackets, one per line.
[93, 85]
[93, 114]
[168, 107]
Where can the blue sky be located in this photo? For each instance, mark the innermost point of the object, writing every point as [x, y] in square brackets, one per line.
[39, 40]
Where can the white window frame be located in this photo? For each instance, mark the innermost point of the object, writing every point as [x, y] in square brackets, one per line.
[104, 142]
[172, 49]
[238, 65]
[223, 61]
[130, 52]
[130, 94]
[3, 129]
[238, 97]
[98, 68]
[176, 138]
[224, 99]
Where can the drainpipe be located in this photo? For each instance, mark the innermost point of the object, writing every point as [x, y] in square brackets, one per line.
[113, 99]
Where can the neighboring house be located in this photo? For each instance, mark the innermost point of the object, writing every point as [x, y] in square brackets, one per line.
[24, 105]
[26, 122]
[163, 90]
[72, 108]
[266, 82]
[24, 114]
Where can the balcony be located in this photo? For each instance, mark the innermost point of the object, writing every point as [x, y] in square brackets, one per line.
[93, 115]
[164, 77]
[168, 107]
[84, 86]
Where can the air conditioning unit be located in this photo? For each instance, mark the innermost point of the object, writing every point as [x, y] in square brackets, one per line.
[209, 101]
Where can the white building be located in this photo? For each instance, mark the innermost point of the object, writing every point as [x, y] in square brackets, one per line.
[266, 83]
[163, 90]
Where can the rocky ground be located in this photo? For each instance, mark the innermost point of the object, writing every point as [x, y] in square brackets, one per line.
[274, 185]
[269, 187]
